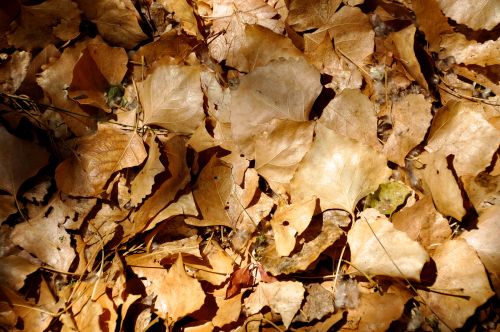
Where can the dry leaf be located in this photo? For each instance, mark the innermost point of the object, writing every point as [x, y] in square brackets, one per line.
[116, 20]
[184, 206]
[459, 272]
[338, 170]
[388, 197]
[431, 21]
[184, 14]
[177, 293]
[484, 240]
[470, 52]
[13, 71]
[44, 23]
[276, 93]
[221, 264]
[411, 117]
[482, 190]
[283, 297]
[7, 207]
[319, 303]
[97, 157]
[353, 115]
[14, 269]
[288, 222]
[229, 308]
[172, 98]
[476, 15]
[306, 15]
[20, 161]
[379, 249]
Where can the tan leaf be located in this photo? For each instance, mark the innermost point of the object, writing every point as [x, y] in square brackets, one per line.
[43, 237]
[185, 206]
[476, 15]
[116, 20]
[97, 157]
[484, 240]
[404, 42]
[14, 269]
[288, 222]
[7, 207]
[183, 13]
[353, 115]
[329, 233]
[470, 52]
[462, 130]
[221, 264]
[172, 98]
[20, 161]
[431, 21]
[352, 34]
[422, 223]
[275, 92]
[41, 24]
[459, 272]
[279, 150]
[411, 117]
[143, 182]
[13, 71]
[306, 15]
[228, 309]
[483, 190]
[379, 249]
[177, 294]
[338, 170]
[319, 303]
[283, 297]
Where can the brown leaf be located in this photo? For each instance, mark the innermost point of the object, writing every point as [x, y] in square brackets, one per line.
[459, 272]
[184, 14]
[116, 20]
[306, 15]
[13, 71]
[275, 92]
[184, 206]
[338, 170]
[241, 278]
[470, 52]
[411, 117]
[353, 115]
[379, 249]
[221, 262]
[14, 269]
[484, 16]
[431, 21]
[319, 303]
[283, 297]
[171, 97]
[7, 207]
[97, 157]
[42, 24]
[483, 190]
[229, 308]
[20, 161]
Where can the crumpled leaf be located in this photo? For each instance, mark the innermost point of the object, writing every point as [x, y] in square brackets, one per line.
[352, 34]
[353, 115]
[44, 23]
[411, 117]
[470, 52]
[459, 272]
[116, 20]
[483, 15]
[171, 98]
[275, 264]
[388, 197]
[368, 254]
[288, 222]
[283, 297]
[97, 157]
[272, 92]
[338, 170]
[13, 71]
[20, 160]
[229, 18]
[319, 303]
[462, 130]
[177, 293]
[484, 240]
[143, 182]
[306, 14]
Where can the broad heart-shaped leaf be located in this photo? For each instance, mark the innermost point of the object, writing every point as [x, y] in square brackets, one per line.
[377, 248]
[98, 156]
[20, 161]
[171, 97]
[283, 297]
[338, 170]
[272, 92]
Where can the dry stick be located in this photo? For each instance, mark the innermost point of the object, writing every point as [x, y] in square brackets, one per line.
[445, 86]
[404, 277]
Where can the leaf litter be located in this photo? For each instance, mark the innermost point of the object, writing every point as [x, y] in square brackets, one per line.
[229, 165]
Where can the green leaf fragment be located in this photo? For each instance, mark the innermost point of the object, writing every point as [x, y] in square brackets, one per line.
[388, 197]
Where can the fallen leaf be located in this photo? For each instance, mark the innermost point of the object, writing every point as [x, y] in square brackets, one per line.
[14, 269]
[483, 15]
[379, 249]
[344, 171]
[116, 20]
[243, 277]
[275, 92]
[288, 222]
[482, 190]
[14, 71]
[411, 118]
[318, 303]
[229, 308]
[171, 98]
[459, 272]
[97, 157]
[484, 240]
[184, 14]
[470, 52]
[184, 206]
[388, 197]
[7, 207]
[352, 115]
[306, 15]
[283, 297]
[221, 262]
[431, 21]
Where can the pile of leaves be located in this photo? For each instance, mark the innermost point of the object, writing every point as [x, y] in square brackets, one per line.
[246, 165]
